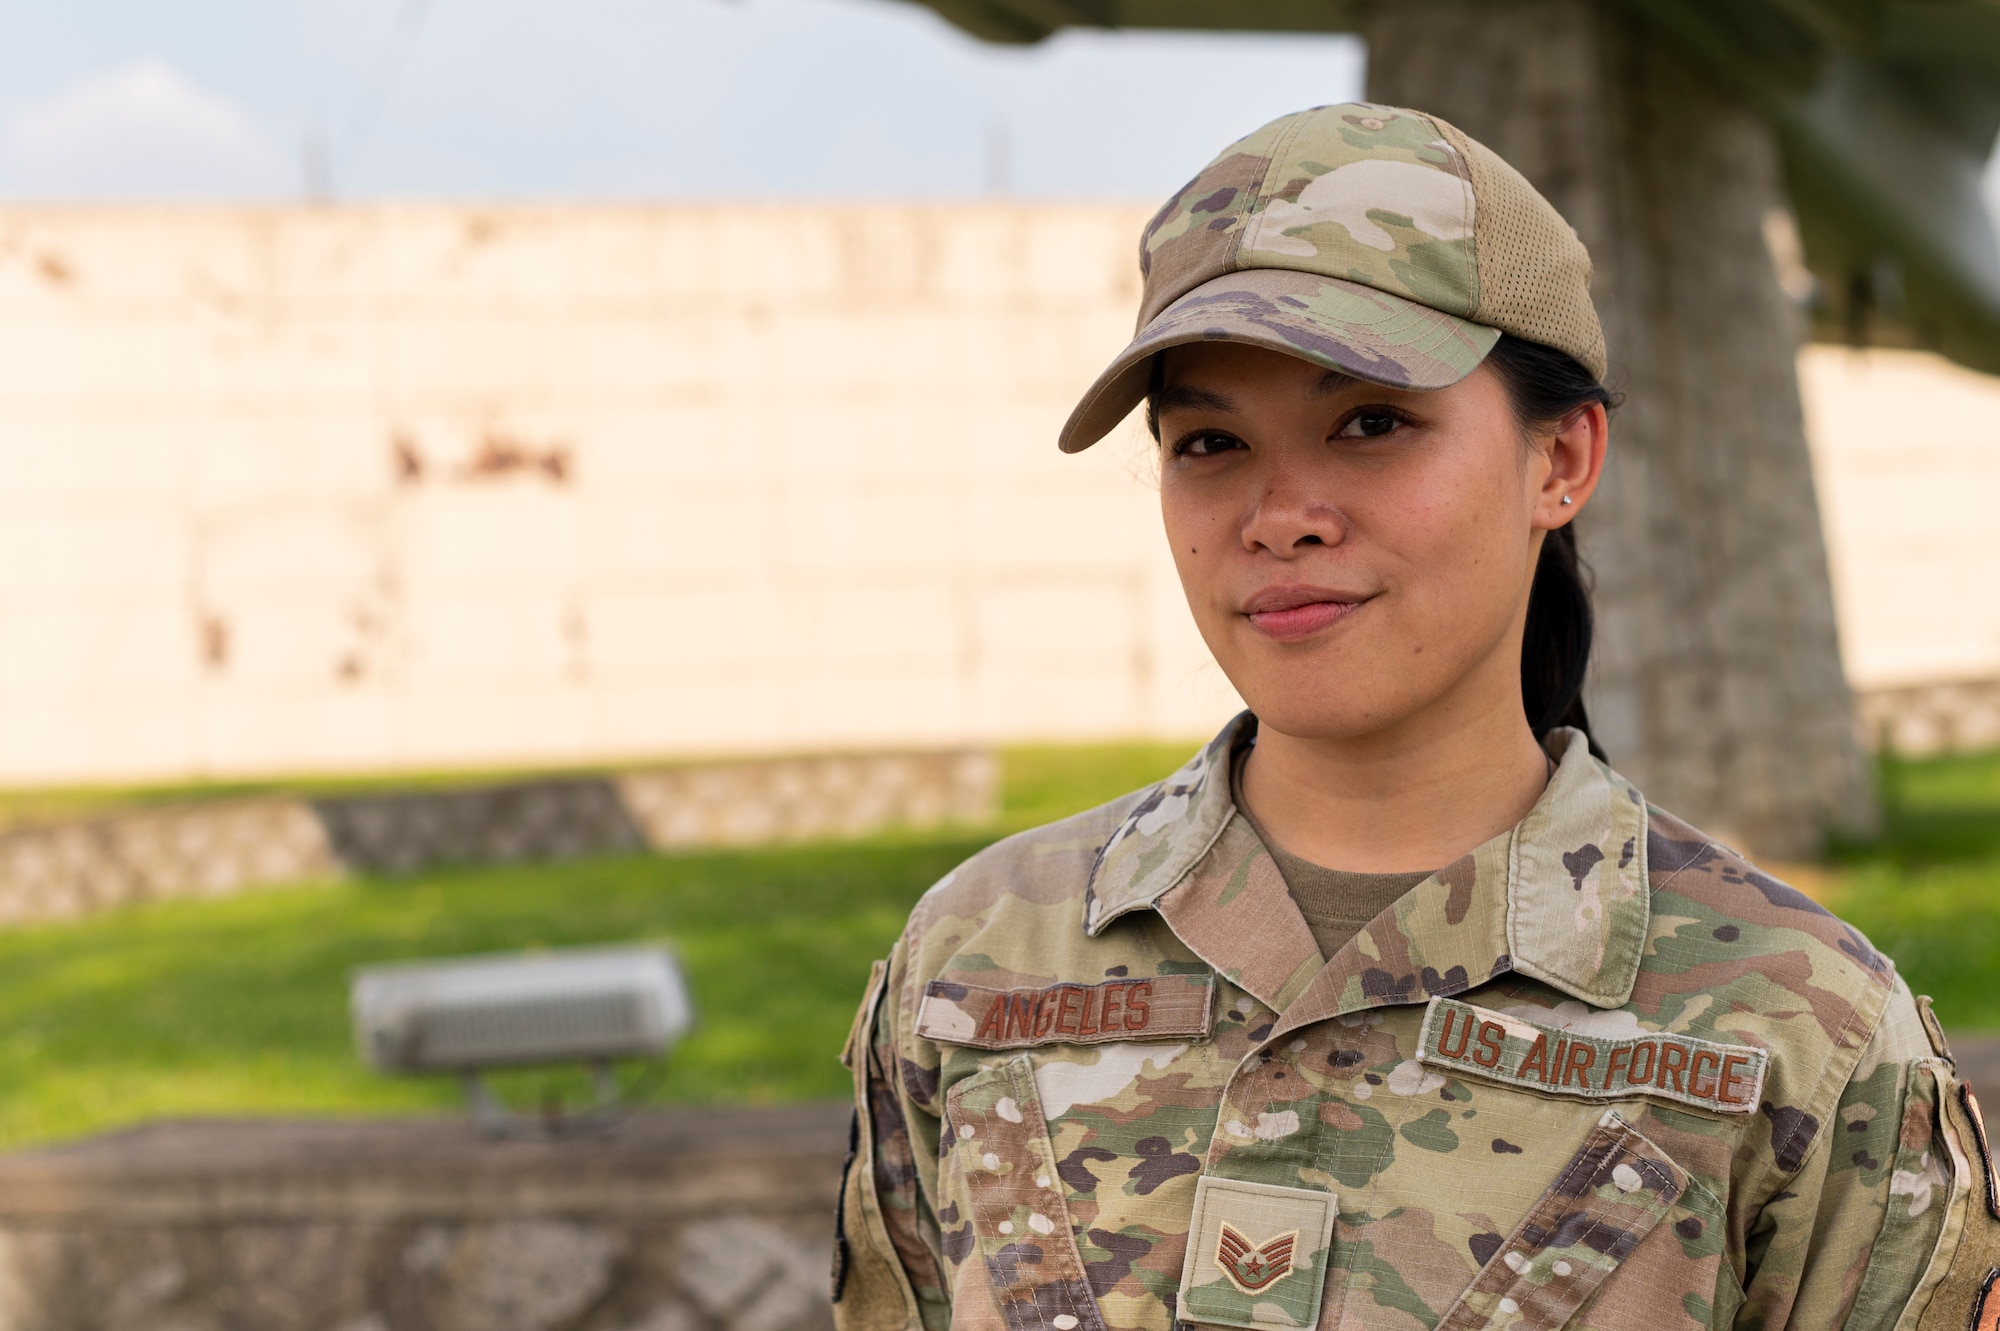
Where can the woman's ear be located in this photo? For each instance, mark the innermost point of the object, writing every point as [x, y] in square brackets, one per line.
[1575, 453]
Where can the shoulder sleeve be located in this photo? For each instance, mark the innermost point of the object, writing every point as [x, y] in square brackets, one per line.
[1837, 1245]
[1959, 1288]
[887, 1275]
[1888, 1227]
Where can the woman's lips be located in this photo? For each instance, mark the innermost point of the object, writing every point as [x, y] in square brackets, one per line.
[1289, 614]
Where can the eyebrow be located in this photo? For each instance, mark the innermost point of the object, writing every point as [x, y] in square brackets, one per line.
[1331, 382]
[1184, 398]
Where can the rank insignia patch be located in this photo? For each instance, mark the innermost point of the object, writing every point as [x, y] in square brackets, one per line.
[1257, 1255]
[1253, 1266]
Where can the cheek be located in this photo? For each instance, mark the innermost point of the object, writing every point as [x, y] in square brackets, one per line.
[1461, 542]
[1194, 533]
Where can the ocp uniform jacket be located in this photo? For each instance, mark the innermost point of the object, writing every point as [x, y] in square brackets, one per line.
[1600, 1072]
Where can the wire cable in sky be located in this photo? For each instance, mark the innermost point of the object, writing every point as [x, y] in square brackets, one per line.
[381, 82]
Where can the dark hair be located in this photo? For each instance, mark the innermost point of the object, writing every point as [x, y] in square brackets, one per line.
[1546, 387]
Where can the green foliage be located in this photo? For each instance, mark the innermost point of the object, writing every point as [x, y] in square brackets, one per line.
[239, 1006]
[1928, 891]
[1935, 811]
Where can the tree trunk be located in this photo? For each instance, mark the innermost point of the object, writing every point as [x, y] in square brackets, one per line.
[1717, 682]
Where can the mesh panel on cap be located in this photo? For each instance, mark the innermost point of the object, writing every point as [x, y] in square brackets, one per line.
[1534, 274]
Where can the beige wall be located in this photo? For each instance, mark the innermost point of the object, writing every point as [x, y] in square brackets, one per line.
[1907, 448]
[432, 486]
[295, 490]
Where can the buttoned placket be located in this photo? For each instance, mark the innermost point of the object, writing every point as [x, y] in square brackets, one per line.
[1235, 912]
[1202, 867]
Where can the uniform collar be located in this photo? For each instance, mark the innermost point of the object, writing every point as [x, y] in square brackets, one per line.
[1560, 897]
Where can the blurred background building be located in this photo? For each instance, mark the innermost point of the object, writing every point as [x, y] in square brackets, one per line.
[379, 488]
[295, 489]
[358, 485]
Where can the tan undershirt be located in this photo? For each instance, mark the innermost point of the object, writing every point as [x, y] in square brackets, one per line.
[1337, 904]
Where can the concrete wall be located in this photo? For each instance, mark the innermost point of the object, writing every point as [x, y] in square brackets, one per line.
[406, 487]
[681, 1221]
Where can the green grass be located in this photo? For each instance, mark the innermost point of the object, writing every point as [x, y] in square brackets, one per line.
[1928, 891]
[239, 1006]
[1047, 782]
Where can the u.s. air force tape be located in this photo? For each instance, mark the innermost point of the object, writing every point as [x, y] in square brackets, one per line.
[1165, 1007]
[1477, 1042]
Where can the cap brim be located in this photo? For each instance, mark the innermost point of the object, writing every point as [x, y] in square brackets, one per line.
[1342, 325]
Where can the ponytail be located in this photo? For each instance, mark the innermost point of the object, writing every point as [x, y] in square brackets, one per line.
[1545, 387]
[1555, 651]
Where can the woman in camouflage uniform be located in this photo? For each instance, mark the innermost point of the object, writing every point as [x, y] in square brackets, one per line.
[1396, 1006]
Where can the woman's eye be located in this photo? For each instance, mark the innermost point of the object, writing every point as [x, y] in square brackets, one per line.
[1203, 443]
[1369, 423]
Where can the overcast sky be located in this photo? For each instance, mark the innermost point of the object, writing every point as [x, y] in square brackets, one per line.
[219, 99]
[630, 98]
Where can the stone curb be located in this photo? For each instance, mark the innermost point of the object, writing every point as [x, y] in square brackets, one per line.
[218, 848]
[689, 1220]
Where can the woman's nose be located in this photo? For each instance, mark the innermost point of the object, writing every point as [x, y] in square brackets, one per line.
[1285, 520]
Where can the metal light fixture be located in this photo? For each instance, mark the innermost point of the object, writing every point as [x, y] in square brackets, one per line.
[472, 1015]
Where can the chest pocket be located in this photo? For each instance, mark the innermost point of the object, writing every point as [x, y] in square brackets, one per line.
[1602, 1215]
[1006, 1170]
[1581, 1220]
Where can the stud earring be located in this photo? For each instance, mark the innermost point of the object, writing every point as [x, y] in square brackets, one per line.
[1567, 501]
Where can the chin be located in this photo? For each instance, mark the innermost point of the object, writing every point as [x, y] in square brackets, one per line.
[1326, 704]
[1322, 722]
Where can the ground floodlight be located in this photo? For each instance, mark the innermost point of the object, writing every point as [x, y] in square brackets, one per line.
[472, 1015]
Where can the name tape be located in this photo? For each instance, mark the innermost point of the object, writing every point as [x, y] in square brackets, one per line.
[1162, 1008]
[1461, 1038]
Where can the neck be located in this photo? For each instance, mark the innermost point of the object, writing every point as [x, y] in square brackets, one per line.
[1413, 797]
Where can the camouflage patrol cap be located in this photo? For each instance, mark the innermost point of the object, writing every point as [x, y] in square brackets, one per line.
[1373, 240]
